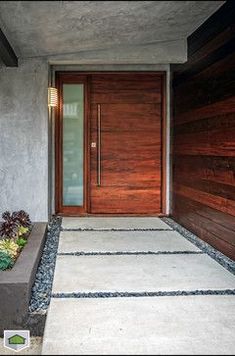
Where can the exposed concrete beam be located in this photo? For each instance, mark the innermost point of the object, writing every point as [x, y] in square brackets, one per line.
[7, 53]
[160, 52]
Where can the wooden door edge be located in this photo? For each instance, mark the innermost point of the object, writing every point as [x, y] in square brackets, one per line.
[164, 140]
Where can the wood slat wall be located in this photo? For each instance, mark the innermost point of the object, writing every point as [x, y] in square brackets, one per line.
[203, 191]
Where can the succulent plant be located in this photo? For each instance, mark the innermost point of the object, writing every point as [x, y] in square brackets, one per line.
[15, 225]
[6, 261]
[9, 228]
[21, 242]
[23, 231]
[10, 247]
[22, 218]
[7, 215]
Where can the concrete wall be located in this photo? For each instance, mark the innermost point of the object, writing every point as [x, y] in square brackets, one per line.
[24, 138]
[25, 180]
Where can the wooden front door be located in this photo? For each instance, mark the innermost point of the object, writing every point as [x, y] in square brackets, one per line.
[126, 131]
[122, 144]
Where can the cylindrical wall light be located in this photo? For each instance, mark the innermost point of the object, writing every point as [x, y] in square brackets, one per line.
[52, 97]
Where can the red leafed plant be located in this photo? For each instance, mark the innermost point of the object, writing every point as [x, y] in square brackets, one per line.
[12, 222]
[9, 226]
[22, 218]
[14, 232]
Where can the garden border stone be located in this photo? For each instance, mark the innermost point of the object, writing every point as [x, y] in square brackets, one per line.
[16, 284]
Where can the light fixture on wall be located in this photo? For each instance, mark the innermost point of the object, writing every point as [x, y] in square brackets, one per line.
[52, 97]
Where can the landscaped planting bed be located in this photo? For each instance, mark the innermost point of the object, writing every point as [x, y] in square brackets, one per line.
[21, 247]
[14, 233]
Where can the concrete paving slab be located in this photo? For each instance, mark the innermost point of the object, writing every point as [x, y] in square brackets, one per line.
[107, 223]
[117, 241]
[139, 273]
[199, 325]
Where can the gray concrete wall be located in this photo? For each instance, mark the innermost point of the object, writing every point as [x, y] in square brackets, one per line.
[24, 138]
[26, 141]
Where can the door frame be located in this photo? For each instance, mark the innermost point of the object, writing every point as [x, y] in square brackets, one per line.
[71, 77]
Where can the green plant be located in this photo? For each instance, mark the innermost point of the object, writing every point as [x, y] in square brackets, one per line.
[15, 230]
[23, 231]
[21, 242]
[6, 261]
[10, 247]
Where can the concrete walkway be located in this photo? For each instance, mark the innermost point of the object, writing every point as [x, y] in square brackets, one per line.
[135, 286]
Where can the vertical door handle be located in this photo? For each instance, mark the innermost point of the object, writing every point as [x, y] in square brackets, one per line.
[99, 145]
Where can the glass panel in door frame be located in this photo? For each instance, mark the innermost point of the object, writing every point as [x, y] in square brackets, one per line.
[71, 145]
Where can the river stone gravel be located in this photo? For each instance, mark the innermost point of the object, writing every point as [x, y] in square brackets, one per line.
[225, 261]
[41, 291]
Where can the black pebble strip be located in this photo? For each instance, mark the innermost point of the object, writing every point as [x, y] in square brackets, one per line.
[123, 253]
[143, 294]
[114, 229]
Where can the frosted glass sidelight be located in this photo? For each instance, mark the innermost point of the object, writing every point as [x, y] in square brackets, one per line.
[73, 127]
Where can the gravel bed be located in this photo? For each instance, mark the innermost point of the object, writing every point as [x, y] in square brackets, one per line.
[124, 253]
[178, 293]
[225, 261]
[41, 291]
[114, 229]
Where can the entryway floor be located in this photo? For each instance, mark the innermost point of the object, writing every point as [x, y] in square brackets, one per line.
[136, 286]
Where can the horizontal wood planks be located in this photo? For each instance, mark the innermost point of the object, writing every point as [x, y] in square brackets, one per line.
[203, 189]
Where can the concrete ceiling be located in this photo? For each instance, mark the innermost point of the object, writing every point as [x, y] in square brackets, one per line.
[44, 28]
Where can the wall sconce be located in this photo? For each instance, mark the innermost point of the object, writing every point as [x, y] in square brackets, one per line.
[52, 97]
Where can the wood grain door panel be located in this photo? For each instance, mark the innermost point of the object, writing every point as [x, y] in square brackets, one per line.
[130, 144]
